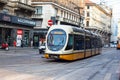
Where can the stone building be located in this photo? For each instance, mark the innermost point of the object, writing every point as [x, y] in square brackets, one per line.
[15, 22]
[98, 19]
[59, 11]
[118, 30]
[80, 13]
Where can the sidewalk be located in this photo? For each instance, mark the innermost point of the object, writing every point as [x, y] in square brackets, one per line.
[21, 48]
[35, 48]
[11, 48]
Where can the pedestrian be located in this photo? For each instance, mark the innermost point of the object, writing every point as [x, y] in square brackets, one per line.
[14, 43]
[5, 46]
[31, 43]
[22, 43]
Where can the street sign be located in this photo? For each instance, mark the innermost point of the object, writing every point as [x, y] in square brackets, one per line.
[50, 22]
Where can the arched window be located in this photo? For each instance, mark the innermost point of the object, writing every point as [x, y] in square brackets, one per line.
[87, 23]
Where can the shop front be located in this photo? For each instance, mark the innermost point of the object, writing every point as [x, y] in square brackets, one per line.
[5, 32]
[39, 36]
[13, 28]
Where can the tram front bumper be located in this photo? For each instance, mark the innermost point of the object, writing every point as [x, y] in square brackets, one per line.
[52, 56]
[59, 56]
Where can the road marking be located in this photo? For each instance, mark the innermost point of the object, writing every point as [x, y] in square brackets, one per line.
[118, 69]
[107, 76]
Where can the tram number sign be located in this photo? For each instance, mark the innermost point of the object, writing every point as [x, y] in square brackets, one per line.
[54, 56]
[50, 22]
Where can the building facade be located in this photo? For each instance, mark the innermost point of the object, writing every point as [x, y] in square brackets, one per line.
[98, 19]
[15, 22]
[118, 30]
[59, 11]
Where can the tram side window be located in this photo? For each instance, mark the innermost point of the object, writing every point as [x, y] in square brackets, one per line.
[92, 42]
[78, 42]
[99, 43]
[95, 42]
[88, 42]
[70, 42]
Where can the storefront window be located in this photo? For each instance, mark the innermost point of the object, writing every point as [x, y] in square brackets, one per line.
[26, 38]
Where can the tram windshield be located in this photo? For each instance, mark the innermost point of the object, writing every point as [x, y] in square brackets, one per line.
[56, 39]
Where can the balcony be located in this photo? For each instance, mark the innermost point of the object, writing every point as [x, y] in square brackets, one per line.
[64, 3]
[19, 5]
[37, 16]
[3, 2]
[42, 0]
[67, 20]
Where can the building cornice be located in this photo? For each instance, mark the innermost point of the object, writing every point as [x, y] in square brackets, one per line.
[57, 5]
[100, 8]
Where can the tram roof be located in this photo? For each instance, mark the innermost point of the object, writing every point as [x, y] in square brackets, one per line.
[69, 28]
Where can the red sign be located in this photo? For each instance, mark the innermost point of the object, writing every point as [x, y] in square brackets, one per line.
[50, 22]
[19, 32]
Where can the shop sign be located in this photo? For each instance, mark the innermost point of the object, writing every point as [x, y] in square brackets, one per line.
[5, 17]
[41, 31]
[0, 17]
[19, 32]
[23, 21]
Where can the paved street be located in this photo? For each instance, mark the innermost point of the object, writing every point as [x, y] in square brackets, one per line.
[28, 64]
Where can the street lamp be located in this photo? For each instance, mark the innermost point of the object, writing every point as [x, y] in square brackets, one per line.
[78, 8]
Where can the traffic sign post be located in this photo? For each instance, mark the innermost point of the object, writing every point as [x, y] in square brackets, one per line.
[50, 22]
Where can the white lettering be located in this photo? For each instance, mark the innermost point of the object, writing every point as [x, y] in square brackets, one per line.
[26, 21]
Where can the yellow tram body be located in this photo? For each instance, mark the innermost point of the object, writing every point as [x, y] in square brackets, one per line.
[71, 43]
[118, 44]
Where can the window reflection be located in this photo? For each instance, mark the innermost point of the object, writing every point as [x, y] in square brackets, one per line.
[56, 39]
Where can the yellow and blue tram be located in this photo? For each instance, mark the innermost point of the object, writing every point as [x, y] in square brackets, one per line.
[118, 44]
[71, 43]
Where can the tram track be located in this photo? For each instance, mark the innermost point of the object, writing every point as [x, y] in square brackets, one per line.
[98, 71]
[102, 68]
[86, 64]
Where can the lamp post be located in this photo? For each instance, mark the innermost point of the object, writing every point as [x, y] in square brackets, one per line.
[78, 8]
